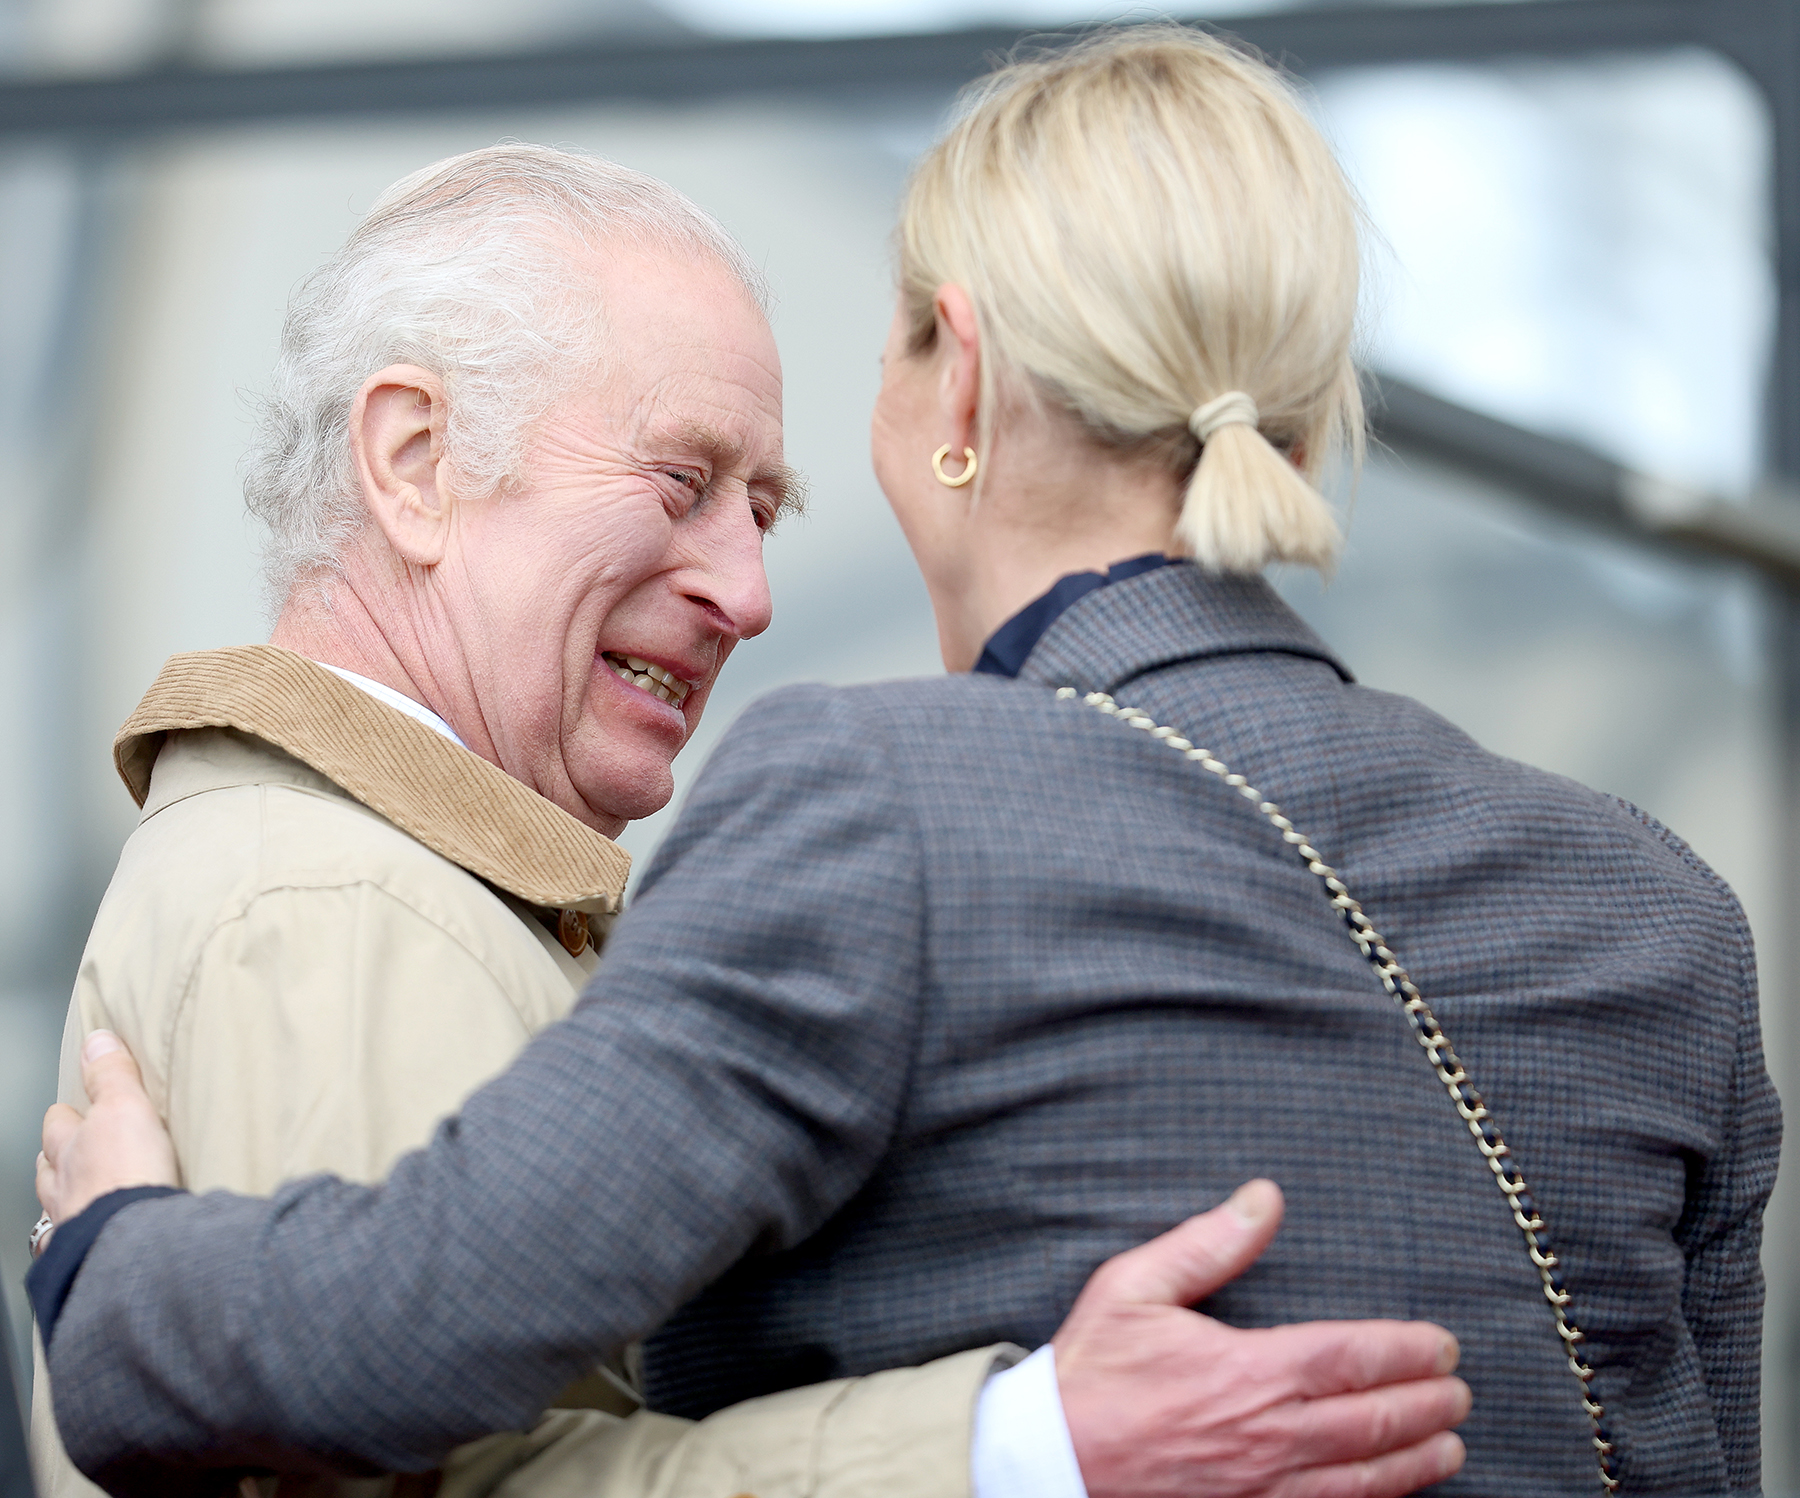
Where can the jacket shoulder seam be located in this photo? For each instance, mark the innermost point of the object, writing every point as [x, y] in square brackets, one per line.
[244, 907]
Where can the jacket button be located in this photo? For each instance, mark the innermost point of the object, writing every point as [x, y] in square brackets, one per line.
[572, 931]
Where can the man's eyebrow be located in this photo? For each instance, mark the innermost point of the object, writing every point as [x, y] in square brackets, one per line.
[786, 483]
[697, 437]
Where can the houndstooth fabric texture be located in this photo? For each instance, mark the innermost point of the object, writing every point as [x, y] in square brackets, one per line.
[941, 992]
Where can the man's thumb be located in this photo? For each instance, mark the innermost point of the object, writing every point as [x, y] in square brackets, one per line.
[1188, 1263]
[107, 1070]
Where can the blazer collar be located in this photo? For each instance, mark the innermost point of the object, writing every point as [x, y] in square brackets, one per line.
[1116, 634]
[454, 802]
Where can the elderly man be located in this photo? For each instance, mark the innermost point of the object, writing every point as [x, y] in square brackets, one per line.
[524, 448]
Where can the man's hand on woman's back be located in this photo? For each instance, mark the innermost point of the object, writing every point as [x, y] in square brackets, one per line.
[1160, 1400]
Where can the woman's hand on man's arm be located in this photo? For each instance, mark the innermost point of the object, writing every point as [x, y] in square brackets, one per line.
[120, 1143]
[1158, 1398]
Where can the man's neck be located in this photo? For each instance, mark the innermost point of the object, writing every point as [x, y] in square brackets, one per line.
[329, 621]
[376, 620]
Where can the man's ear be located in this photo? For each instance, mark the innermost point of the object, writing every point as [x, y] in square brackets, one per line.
[397, 440]
[959, 376]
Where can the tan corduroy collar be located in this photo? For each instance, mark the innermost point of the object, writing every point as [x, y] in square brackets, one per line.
[452, 801]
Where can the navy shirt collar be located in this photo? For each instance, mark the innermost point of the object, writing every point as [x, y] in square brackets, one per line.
[1005, 652]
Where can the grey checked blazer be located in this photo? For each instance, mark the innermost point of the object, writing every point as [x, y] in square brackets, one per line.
[940, 992]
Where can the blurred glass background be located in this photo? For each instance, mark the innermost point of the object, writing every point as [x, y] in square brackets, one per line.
[1576, 538]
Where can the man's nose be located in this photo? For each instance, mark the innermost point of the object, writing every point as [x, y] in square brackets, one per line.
[729, 579]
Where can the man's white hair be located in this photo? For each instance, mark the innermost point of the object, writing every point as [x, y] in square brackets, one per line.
[463, 268]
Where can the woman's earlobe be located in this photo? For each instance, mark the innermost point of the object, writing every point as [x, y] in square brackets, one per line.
[969, 464]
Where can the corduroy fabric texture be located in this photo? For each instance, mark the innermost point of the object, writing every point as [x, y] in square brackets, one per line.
[454, 802]
[941, 992]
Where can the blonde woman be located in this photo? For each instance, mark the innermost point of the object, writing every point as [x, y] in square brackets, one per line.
[946, 991]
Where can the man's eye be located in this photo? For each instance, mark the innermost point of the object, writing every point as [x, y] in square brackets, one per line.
[687, 477]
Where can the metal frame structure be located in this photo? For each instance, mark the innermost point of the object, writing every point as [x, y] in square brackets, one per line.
[103, 116]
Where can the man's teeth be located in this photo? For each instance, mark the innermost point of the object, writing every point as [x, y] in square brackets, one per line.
[653, 679]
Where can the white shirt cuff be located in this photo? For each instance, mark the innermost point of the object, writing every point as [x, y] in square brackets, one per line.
[1022, 1447]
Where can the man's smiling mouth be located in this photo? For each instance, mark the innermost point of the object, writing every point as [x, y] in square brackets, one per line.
[653, 679]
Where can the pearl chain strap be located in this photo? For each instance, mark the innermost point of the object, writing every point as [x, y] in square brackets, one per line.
[1430, 1035]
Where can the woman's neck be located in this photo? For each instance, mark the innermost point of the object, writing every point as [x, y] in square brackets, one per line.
[1030, 528]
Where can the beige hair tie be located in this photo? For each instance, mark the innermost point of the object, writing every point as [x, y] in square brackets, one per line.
[1228, 410]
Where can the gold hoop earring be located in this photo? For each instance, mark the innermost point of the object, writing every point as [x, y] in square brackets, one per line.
[937, 467]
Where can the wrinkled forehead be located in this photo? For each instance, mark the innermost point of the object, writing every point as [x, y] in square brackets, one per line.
[687, 371]
[683, 332]
[638, 282]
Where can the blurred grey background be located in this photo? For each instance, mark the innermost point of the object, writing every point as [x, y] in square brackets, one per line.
[1579, 536]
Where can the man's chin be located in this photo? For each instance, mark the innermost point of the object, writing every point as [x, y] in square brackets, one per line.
[628, 788]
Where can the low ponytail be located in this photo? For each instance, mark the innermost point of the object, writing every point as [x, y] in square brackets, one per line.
[1246, 504]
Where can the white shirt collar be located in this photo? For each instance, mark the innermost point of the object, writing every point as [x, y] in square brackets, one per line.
[395, 700]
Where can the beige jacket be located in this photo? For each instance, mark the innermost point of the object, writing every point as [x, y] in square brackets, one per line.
[330, 926]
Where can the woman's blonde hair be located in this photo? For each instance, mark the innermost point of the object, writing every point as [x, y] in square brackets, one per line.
[1147, 222]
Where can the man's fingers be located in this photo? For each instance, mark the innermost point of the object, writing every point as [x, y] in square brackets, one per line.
[107, 1070]
[1348, 1428]
[1189, 1262]
[1390, 1476]
[1342, 1357]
